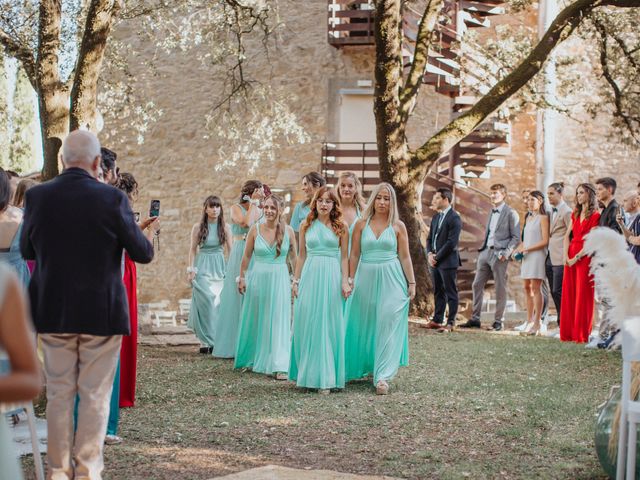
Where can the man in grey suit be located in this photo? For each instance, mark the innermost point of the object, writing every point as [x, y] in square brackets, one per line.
[501, 238]
[559, 223]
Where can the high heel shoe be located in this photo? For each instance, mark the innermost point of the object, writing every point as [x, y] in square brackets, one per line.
[533, 332]
[523, 326]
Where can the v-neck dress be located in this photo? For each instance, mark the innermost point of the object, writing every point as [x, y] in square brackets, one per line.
[377, 313]
[264, 334]
[317, 351]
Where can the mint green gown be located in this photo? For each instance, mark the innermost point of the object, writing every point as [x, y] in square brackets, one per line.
[226, 328]
[206, 287]
[317, 350]
[264, 335]
[377, 314]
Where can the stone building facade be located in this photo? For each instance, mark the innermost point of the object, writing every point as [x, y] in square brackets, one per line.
[176, 163]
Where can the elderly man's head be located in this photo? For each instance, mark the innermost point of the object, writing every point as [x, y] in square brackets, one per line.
[81, 149]
[631, 202]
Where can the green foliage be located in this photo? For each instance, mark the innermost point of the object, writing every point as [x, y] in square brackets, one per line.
[22, 152]
[5, 134]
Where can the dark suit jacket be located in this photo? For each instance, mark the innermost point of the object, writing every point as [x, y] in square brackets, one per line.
[608, 217]
[75, 228]
[447, 255]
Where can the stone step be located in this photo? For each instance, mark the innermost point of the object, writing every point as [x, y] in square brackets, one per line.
[275, 472]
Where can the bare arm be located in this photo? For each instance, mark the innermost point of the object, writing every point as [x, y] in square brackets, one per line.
[245, 219]
[302, 257]
[544, 225]
[567, 241]
[227, 243]
[24, 381]
[344, 261]
[246, 258]
[354, 258]
[405, 257]
[292, 256]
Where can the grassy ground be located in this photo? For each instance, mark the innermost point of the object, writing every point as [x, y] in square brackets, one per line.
[470, 405]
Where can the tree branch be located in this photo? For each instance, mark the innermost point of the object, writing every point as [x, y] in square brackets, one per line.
[420, 57]
[560, 29]
[22, 53]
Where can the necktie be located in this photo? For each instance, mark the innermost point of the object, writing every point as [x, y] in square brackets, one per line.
[495, 210]
[554, 210]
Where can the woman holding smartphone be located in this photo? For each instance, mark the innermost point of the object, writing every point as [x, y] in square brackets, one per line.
[243, 215]
[264, 336]
[320, 283]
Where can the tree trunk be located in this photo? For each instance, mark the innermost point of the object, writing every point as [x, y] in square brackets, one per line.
[54, 125]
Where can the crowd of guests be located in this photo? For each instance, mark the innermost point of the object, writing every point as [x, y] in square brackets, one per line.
[550, 249]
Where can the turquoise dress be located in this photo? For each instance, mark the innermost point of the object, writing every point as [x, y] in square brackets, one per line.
[226, 328]
[377, 338]
[13, 257]
[300, 212]
[207, 285]
[317, 350]
[264, 335]
[352, 226]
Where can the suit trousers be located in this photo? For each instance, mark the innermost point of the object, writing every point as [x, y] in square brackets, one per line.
[83, 365]
[555, 274]
[488, 266]
[445, 292]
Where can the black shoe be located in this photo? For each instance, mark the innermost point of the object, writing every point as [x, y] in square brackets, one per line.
[496, 327]
[471, 324]
[205, 350]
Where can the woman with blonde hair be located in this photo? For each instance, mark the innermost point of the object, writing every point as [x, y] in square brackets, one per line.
[264, 334]
[351, 201]
[578, 295]
[320, 283]
[377, 313]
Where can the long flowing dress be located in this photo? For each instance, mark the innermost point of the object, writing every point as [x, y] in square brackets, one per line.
[207, 286]
[317, 350]
[129, 349]
[228, 318]
[300, 212]
[533, 263]
[13, 257]
[264, 335]
[377, 337]
[576, 312]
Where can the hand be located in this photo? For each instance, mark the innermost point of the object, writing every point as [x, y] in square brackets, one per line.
[258, 194]
[412, 291]
[346, 289]
[431, 258]
[191, 276]
[242, 286]
[294, 290]
[502, 258]
[620, 220]
[154, 224]
[145, 223]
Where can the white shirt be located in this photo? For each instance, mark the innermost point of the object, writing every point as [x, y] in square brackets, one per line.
[442, 215]
[555, 214]
[493, 223]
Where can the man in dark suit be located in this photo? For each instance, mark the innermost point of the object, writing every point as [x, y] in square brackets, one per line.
[76, 228]
[444, 259]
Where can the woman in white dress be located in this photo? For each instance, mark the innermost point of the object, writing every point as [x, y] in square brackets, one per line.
[533, 249]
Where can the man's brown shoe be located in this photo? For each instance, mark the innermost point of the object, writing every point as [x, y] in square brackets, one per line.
[432, 325]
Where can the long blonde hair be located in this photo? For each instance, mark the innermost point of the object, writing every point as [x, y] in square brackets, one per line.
[281, 228]
[369, 210]
[358, 199]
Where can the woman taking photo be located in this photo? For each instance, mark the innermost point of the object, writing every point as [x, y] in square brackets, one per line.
[243, 215]
[577, 285]
[377, 313]
[264, 335]
[351, 202]
[533, 249]
[320, 283]
[311, 182]
[210, 242]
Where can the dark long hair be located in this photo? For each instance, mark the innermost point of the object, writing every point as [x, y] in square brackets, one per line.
[5, 190]
[248, 188]
[128, 184]
[203, 232]
[540, 196]
[337, 224]
[315, 179]
[592, 204]
[281, 228]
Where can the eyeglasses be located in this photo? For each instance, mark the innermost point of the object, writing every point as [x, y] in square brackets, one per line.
[325, 201]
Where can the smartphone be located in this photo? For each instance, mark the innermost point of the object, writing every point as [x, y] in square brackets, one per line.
[154, 209]
[136, 215]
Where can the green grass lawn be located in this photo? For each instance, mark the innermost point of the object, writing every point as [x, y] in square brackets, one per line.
[470, 405]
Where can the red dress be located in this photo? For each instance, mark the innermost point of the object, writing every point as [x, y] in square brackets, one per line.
[129, 349]
[578, 295]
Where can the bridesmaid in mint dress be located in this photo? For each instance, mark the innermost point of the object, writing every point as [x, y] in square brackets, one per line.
[243, 216]
[210, 241]
[351, 202]
[378, 311]
[264, 336]
[311, 182]
[320, 283]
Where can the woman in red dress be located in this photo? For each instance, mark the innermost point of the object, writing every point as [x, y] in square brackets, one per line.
[578, 294]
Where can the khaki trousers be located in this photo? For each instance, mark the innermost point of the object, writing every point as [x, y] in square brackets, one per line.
[83, 365]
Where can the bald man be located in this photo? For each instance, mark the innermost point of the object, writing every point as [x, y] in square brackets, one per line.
[631, 206]
[75, 228]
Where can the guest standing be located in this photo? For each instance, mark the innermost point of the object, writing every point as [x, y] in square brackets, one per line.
[243, 215]
[264, 335]
[534, 251]
[377, 313]
[311, 182]
[444, 259]
[560, 224]
[351, 202]
[10, 227]
[24, 185]
[502, 235]
[632, 235]
[577, 286]
[78, 299]
[631, 206]
[210, 242]
[110, 170]
[19, 372]
[320, 282]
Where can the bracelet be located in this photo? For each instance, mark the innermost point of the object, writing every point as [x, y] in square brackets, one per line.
[411, 283]
[192, 269]
[295, 281]
[238, 278]
[350, 281]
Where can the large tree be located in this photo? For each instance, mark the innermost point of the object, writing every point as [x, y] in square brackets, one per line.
[396, 93]
[22, 151]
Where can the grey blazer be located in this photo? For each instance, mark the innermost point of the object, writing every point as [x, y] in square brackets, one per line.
[507, 235]
[557, 231]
